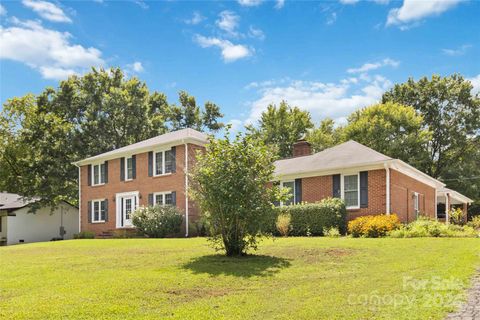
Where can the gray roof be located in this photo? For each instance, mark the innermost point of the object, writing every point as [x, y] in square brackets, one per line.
[179, 136]
[9, 201]
[348, 154]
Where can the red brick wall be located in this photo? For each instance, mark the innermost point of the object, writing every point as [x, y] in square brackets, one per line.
[302, 148]
[143, 183]
[402, 188]
[318, 188]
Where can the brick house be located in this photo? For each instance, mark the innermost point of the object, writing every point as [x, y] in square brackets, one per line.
[368, 181]
[113, 184]
[155, 171]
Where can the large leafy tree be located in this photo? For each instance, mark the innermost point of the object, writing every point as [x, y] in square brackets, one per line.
[229, 185]
[282, 126]
[450, 111]
[103, 110]
[189, 115]
[324, 136]
[392, 129]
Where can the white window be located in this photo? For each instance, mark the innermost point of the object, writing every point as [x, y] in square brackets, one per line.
[415, 204]
[163, 198]
[290, 185]
[98, 174]
[351, 194]
[98, 210]
[163, 162]
[129, 168]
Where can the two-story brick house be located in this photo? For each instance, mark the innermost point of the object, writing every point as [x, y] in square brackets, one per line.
[155, 171]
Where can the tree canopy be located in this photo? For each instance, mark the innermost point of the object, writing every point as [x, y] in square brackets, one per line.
[282, 126]
[100, 111]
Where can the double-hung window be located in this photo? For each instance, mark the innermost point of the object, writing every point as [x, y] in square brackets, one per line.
[163, 198]
[163, 162]
[98, 210]
[351, 193]
[98, 174]
[416, 204]
[129, 168]
[290, 185]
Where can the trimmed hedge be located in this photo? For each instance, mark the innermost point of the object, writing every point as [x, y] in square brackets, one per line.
[311, 219]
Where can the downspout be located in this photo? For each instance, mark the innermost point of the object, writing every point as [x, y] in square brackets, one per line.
[186, 190]
[79, 199]
[387, 188]
[436, 205]
[447, 208]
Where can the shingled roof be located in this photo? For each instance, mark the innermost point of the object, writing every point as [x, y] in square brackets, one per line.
[348, 154]
[10, 201]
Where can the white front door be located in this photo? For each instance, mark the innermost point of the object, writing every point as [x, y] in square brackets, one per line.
[126, 204]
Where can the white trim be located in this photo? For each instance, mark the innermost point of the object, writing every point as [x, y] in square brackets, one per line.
[118, 209]
[436, 205]
[447, 209]
[416, 174]
[342, 188]
[92, 212]
[162, 193]
[186, 189]
[387, 187]
[126, 167]
[101, 183]
[416, 204]
[163, 151]
[293, 190]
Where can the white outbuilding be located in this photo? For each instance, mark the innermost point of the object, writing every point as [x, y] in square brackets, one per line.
[19, 225]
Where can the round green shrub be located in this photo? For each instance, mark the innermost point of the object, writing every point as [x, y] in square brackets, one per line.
[158, 221]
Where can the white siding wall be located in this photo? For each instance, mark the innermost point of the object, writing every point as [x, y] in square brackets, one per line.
[3, 232]
[42, 225]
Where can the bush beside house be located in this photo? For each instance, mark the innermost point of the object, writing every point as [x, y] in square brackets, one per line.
[158, 221]
[311, 219]
[373, 226]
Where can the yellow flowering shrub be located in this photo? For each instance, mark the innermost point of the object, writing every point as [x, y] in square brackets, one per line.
[373, 226]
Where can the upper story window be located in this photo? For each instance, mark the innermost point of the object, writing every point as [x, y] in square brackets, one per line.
[290, 185]
[129, 168]
[164, 162]
[351, 194]
[98, 174]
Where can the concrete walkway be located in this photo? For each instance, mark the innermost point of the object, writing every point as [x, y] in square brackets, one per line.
[471, 309]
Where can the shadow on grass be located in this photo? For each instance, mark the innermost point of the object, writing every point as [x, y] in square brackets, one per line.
[247, 266]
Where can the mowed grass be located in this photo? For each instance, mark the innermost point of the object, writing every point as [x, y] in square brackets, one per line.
[293, 278]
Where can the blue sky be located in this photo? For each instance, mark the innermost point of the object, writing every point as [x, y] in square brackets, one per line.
[327, 57]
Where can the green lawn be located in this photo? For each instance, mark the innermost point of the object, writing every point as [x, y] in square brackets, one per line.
[294, 278]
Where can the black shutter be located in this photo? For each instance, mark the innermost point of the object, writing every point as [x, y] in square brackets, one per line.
[150, 199]
[174, 159]
[106, 210]
[336, 186]
[150, 163]
[364, 189]
[89, 168]
[276, 184]
[122, 169]
[174, 198]
[106, 171]
[298, 190]
[89, 205]
[134, 167]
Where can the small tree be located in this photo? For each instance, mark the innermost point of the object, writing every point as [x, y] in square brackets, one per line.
[230, 185]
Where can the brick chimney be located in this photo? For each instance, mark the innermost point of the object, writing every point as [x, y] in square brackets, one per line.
[301, 148]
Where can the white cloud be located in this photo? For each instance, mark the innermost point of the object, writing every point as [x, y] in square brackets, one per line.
[460, 51]
[46, 50]
[249, 3]
[195, 19]
[413, 11]
[142, 4]
[375, 65]
[3, 11]
[332, 18]
[256, 33]
[279, 4]
[235, 125]
[47, 10]
[475, 83]
[136, 67]
[349, 1]
[334, 100]
[230, 51]
[228, 21]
